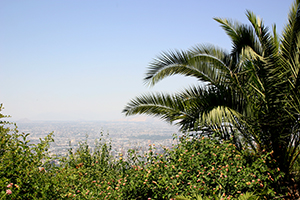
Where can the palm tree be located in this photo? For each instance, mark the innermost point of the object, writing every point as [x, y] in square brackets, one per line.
[250, 95]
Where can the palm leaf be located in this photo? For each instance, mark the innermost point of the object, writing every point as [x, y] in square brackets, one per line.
[165, 106]
[206, 63]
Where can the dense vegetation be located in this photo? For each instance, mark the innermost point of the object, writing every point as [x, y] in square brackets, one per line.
[241, 130]
[196, 166]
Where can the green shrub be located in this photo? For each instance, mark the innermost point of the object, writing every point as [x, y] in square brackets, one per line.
[196, 166]
[22, 165]
[202, 167]
[86, 172]
[247, 196]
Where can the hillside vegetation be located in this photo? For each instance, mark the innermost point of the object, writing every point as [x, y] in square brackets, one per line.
[201, 166]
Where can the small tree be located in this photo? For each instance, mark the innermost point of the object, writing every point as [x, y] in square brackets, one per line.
[250, 94]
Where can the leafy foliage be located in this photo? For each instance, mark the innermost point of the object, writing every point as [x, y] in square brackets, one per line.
[196, 166]
[247, 196]
[22, 164]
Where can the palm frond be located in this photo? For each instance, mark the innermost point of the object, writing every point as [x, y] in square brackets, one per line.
[206, 63]
[167, 64]
[291, 32]
[241, 36]
[211, 106]
[213, 62]
[165, 106]
[264, 42]
[276, 40]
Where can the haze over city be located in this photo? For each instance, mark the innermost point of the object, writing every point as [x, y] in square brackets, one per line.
[84, 60]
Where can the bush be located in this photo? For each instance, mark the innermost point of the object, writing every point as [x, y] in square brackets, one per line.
[200, 167]
[195, 166]
[22, 164]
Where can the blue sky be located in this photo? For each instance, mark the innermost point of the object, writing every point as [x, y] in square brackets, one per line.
[84, 60]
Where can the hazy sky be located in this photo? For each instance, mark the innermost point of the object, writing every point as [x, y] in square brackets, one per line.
[85, 59]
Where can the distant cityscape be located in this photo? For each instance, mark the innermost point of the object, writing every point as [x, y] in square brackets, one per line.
[123, 135]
